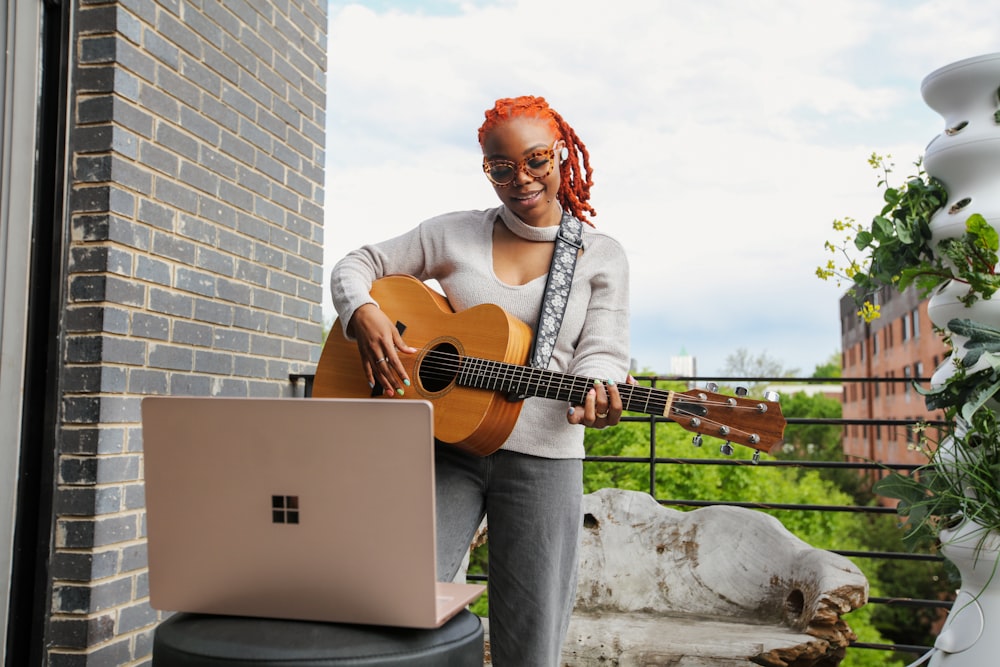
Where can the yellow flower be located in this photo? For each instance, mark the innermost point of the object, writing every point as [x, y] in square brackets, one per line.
[870, 311]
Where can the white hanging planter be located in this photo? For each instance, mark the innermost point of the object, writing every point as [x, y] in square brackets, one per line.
[965, 157]
[968, 637]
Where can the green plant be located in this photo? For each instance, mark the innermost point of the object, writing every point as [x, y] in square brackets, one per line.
[898, 249]
[962, 475]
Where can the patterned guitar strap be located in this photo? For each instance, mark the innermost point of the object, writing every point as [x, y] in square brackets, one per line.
[569, 240]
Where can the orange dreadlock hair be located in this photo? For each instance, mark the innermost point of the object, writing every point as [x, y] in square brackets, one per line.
[575, 172]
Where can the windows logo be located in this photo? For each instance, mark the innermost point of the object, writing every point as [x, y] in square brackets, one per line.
[284, 509]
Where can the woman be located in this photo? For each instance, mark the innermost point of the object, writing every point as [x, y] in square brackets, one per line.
[531, 488]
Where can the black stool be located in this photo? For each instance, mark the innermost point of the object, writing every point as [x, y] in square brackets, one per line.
[195, 640]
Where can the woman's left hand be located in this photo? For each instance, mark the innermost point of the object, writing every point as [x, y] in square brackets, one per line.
[602, 406]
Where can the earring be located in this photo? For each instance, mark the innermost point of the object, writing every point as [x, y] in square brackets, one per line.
[563, 154]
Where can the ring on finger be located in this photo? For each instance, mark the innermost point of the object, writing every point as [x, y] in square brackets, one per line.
[382, 360]
[602, 415]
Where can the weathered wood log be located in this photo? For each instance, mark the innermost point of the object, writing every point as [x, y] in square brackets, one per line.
[714, 586]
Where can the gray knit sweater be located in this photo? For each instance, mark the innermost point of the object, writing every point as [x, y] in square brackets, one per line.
[456, 250]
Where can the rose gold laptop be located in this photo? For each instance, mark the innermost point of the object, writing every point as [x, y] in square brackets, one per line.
[311, 509]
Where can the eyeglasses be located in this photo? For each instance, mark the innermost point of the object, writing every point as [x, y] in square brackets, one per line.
[537, 165]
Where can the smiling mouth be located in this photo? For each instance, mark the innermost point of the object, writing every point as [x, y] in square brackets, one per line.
[528, 196]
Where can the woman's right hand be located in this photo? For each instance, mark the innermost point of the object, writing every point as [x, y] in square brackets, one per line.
[379, 344]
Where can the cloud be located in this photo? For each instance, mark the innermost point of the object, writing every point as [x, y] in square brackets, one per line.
[726, 136]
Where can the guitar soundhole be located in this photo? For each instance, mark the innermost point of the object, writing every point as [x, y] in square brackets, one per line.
[439, 367]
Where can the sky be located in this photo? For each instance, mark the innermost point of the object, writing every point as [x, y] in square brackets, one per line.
[726, 137]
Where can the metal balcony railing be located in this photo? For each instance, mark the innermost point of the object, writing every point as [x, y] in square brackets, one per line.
[866, 560]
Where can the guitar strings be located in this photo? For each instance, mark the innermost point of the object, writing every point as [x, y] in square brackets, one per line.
[444, 367]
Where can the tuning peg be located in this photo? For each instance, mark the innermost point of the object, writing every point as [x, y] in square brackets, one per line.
[712, 386]
[772, 396]
[726, 448]
[696, 440]
[756, 457]
[741, 391]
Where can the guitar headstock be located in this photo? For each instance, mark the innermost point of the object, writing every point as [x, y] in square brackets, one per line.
[754, 423]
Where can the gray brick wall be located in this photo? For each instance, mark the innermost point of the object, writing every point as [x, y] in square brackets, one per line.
[193, 265]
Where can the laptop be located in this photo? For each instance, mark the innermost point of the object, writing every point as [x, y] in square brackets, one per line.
[309, 509]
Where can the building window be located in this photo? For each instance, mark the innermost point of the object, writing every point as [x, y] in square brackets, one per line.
[906, 327]
[916, 323]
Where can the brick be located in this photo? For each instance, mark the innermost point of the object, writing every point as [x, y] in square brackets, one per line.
[134, 558]
[128, 233]
[90, 199]
[125, 292]
[233, 145]
[119, 409]
[170, 303]
[181, 35]
[200, 126]
[81, 410]
[174, 248]
[214, 210]
[124, 351]
[136, 60]
[84, 349]
[134, 117]
[150, 269]
[161, 49]
[159, 102]
[190, 333]
[121, 201]
[267, 300]
[135, 617]
[135, 496]
[297, 266]
[198, 282]
[199, 178]
[156, 214]
[95, 109]
[266, 209]
[265, 346]
[79, 633]
[197, 229]
[250, 367]
[232, 340]
[92, 168]
[214, 312]
[176, 195]
[269, 256]
[246, 318]
[145, 325]
[190, 385]
[141, 381]
[216, 262]
[180, 88]
[81, 379]
[231, 387]
[83, 565]
[88, 501]
[283, 283]
[178, 141]
[96, 20]
[74, 470]
[218, 363]
[234, 291]
[158, 158]
[282, 327]
[236, 244]
[195, 71]
[224, 116]
[171, 357]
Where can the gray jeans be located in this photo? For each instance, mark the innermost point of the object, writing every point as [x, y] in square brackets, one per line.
[534, 514]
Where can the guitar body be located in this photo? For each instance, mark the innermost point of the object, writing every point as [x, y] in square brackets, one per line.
[470, 418]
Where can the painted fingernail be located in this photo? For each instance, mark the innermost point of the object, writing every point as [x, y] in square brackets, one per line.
[611, 383]
[371, 385]
[571, 409]
[399, 391]
[406, 382]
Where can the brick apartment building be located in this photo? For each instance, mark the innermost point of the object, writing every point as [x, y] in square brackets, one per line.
[897, 348]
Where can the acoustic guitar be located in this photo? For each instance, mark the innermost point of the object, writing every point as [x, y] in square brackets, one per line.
[470, 365]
